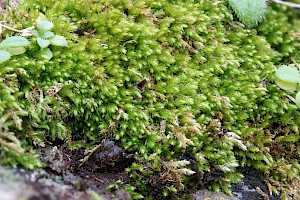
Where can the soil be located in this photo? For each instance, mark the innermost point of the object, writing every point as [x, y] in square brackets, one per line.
[94, 170]
[80, 175]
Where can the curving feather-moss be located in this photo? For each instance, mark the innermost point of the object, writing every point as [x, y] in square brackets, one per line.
[192, 85]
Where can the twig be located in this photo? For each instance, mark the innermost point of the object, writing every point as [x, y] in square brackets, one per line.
[12, 29]
[25, 32]
[98, 179]
[289, 4]
[89, 154]
[291, 98]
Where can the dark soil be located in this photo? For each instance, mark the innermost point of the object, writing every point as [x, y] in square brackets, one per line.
[95, 170]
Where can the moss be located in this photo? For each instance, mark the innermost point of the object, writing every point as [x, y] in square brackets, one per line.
[12, 148]
[282, 38]
[192, 86]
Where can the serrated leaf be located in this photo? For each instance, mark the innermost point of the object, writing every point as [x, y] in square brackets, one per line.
[44, 25]
[42, 16]
[4, 56]
[14, 41]
[47, 53]
[58, 40]
[286, 85]
[288, 74]
[48, 34]
[43, 43]
[16, 51]
[35, 33]
[250, 12]
[298, 99]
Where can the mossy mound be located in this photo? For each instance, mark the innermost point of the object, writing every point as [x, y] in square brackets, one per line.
[180, 83]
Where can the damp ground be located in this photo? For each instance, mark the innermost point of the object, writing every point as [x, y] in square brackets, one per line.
[85, 175]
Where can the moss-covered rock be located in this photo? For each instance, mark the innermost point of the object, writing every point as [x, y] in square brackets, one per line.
[181, 83]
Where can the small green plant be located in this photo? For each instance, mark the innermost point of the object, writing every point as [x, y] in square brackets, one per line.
[119, 185]
[287, 78]
[250, 12]
[14, 45]
[45, 37]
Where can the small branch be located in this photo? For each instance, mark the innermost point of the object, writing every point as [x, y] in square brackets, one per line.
[289, 4]
[291, 98]
[12, 29]
[89, 154]
[25, 32]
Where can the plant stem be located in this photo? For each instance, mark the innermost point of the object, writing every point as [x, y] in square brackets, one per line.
[289, 4]
[12, 29]
[25, 32]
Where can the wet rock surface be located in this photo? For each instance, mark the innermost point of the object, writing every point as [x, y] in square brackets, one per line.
[252, 187]
[110, 157]
[16, 184]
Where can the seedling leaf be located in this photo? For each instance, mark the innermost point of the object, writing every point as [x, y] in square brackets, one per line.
[35, 33]
[4, 56]
[48, 34]
[47, 53]
[250, 12]
[44, 25]
[17, 50]
[43, 43]
[288, 74]
[14, 41]
[286, 85]
[59, 41]
[298, 99]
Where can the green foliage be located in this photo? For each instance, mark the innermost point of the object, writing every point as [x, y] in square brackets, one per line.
[191, 93]
[5, 55]
[287, 78]
[288, 74]
[12, 149]
[13, 45]
[45, 37]
[14, 42]
[95, 196]
[281, 37]
[298, 99]
[119, 185]
[15, 110]
[250, 12]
